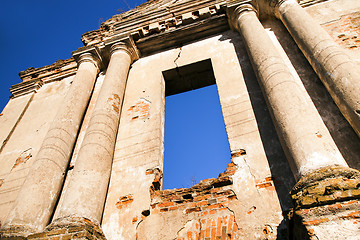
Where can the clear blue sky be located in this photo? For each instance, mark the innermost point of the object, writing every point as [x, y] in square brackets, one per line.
[38, 33]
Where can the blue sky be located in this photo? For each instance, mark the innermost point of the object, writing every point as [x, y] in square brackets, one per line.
[38, 33]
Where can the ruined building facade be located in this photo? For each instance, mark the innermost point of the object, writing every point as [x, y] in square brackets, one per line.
[81, 150]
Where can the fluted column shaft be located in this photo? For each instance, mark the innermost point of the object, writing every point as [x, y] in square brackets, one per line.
[339, 74]
[86, 193]
[35, 202]
[304, 136]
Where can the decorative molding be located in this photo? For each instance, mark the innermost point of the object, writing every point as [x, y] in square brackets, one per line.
[151, 27]
[124, 43]
[182, 35]
[24, 88]
[89, 54]
[307, 3]
[148, 20]
[236, 7]
[50, 73]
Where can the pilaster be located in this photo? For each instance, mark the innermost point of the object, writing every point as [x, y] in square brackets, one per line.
[85, 195]
[337, 71]
[37, 197]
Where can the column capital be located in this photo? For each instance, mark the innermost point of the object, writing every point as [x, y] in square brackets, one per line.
[88, 54]
[236, 8]
[271, 7]
[125, 44]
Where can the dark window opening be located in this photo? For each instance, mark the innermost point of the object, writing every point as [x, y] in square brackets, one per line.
[196, 144]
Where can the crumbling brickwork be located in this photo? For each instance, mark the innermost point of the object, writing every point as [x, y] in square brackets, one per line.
[346, 30]
[83, 139]
[326, 202]
[74, 228]
[206, 202]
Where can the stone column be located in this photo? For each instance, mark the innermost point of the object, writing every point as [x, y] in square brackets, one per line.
[339, 74]
[38, 195]
[303, 134]
[86, 193]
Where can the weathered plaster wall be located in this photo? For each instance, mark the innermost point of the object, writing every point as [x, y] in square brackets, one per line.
[18, 153]
[248, 200]
[253, 144]
[11, 115]
[80, 138]
[342, 133]
[341, 19]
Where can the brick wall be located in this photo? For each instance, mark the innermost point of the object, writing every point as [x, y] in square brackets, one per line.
[346, 30]
[327, 204]
[205, 205]
[70, 228]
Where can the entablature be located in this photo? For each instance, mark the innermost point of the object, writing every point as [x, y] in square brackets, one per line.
[151, 27]
[49, 73]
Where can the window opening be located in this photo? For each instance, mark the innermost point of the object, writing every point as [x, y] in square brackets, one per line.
[196, 144]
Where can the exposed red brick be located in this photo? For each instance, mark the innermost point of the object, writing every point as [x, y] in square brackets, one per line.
[212, 211]
[202, 203]
[124, 201]
[218, 205]
[173, 208]
[166, 204]
[190, 210]
[192, 205]
[316, 222]
[263, 185]
[335, 206]
[231, 222]
[350, 202]
[233, 197]
[346, 30]
[189, 235]
[213, 233]
[353, 215]
[214, 190]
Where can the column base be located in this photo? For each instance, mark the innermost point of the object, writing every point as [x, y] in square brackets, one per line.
[326, 205]
[64, 229]
[15, 233]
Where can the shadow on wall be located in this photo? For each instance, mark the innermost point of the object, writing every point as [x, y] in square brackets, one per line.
[344, 136]
[280, 169]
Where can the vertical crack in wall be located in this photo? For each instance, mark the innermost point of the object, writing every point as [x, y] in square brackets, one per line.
[16, 123]
[178, 56]
[233, 213]
[136, 229]
[178, 232]
[241, 154]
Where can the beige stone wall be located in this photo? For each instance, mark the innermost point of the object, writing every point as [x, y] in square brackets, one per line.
[341, 19]
[21, 148]
[342, 133]
[140, 143]
[249, 202]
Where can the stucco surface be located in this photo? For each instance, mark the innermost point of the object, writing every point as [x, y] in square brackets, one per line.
[27, 137]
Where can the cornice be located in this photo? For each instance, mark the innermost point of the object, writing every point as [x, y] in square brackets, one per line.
[164, 16]
[307, 3]
[49, 73]
[181, 35]
[24, 88]
[151, 27]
